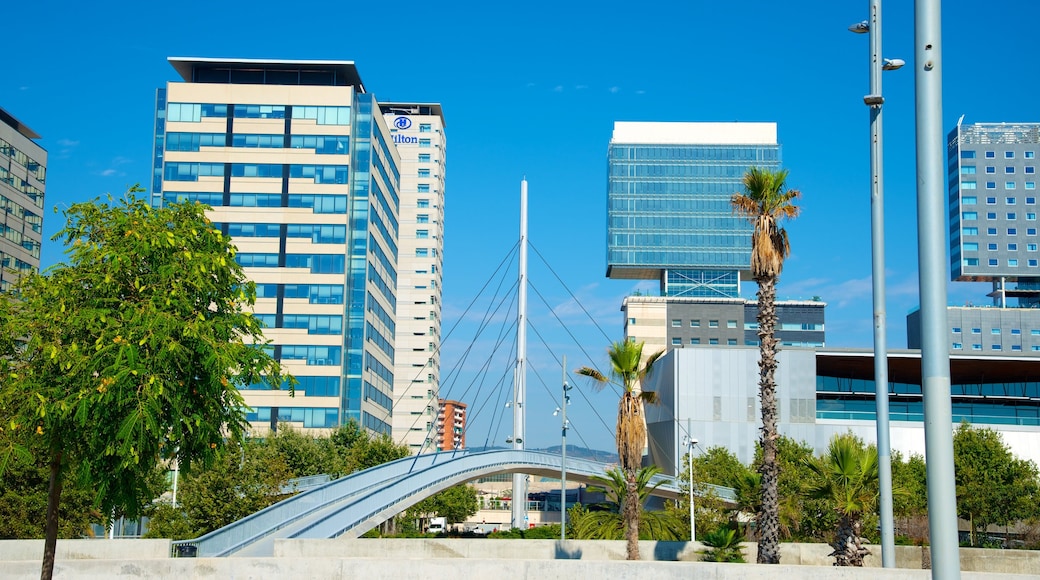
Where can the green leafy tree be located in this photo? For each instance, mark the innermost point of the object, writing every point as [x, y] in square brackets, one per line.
[240, 482]
[628, 370]
[716, 466]
[993, 486]
[766, 201]
[607, 522]
[802, 517]
[455, 504]
[848, 477]
[910, 508]
[257, 474]
[305, 454]
[23, 503]
[129, 353]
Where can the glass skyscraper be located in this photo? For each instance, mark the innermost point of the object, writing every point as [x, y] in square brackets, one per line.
[669, 213]
[301, 170]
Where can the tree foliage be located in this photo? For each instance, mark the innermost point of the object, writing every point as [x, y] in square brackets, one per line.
[257, 474]
[606, 521]
[129, 353]
[847, 476]
[454, 504]
[23, 503]
[716, 466]
[723, 546]
[993, 486]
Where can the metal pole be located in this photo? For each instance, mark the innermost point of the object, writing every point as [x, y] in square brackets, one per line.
[689, 459]
[563, 455]
[519, 511]
[877, 238]
[935, 357]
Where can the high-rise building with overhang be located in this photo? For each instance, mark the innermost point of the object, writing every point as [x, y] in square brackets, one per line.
[669, 216]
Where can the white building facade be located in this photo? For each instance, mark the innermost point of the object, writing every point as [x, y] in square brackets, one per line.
[711, 393]
[417, 129]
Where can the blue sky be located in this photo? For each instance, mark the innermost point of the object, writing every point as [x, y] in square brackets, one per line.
[532, 89]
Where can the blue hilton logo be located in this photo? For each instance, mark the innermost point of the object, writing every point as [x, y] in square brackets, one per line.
[402, 122]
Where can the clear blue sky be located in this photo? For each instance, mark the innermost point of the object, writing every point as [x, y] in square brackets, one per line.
[533, 88]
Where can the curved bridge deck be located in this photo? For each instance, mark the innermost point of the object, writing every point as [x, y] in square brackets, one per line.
[352, 505]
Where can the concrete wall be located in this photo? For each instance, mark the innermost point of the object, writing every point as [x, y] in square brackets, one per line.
[85, 549]
[907, 557]
[440, 568]
[502, 558]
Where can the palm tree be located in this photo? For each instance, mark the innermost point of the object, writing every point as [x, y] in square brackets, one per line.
[605, 521]
[767, 200]
[723, 546]
[627, 370]
[848, 477]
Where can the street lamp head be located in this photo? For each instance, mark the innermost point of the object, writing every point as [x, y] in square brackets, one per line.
[860, 27]
[556, 412]
[892, 64]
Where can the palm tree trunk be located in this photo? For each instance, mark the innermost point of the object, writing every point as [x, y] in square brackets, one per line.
[51, 532]
[631, 509]
[769, 514]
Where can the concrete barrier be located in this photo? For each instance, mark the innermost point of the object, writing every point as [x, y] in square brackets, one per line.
[440, 568]
[907, 557]
[86, 549]
[111, 558]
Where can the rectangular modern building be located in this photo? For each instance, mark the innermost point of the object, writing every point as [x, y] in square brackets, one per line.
[300, 169]
[663, 322]
[713, 392]
[23, 178]
[669, 216]
[417, 130]
[993, 209]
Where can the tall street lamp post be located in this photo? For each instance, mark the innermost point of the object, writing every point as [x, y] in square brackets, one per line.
[564, 425]
[877, 237]
[690, 442]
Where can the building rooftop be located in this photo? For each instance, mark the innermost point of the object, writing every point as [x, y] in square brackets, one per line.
[997, 133]
[412, 108]
[262, 71]
[9, 119]
[666, 133]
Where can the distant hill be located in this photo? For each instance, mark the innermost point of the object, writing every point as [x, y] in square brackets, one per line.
[574, 451]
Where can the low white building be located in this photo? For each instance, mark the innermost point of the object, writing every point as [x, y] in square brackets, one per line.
[712, 393]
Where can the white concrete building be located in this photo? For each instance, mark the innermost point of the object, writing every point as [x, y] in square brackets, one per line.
[713, 393]
[417, 129]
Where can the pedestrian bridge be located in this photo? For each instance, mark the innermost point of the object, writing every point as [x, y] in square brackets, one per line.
[354, 504]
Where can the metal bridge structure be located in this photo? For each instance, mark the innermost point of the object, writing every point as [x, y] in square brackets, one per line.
[354, 504]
